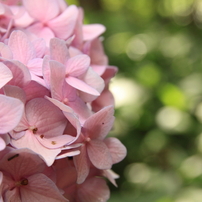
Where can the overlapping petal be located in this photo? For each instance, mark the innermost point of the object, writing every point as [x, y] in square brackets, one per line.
[11, 110]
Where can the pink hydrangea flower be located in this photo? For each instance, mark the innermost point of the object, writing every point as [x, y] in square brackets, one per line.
[50, 21]
[24, 178]
[56, 108]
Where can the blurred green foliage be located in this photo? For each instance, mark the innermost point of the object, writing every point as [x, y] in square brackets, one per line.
[157, 45]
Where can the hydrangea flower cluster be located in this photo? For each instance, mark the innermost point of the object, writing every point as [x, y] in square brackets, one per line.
[55, 105]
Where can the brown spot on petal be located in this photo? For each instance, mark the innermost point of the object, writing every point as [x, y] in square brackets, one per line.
[34, 130]
[103, 123]
[24, 182]
[12, 157]
[41, 136]
[53, 142]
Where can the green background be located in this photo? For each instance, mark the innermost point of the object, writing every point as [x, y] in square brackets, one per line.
[157, 45]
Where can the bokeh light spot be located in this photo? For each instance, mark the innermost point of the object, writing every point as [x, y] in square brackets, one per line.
[136, 49]
[173, 120]
[171, 95]
[117, 43]
[127, 92]
[112, 5]
[175, 45]
[190, 194]
[192, 166]
[137, 173]
[155, 140]
[149, 75]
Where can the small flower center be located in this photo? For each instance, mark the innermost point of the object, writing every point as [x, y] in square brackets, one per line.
[88, 139]
[24, 182]
[34, 129]
[65, 101]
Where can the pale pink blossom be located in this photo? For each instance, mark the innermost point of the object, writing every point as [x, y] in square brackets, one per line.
[21, 49]
[41, 129]
[49, 20]
[6, 16]
[5, 74]
[94, 189]
[24, 180]
[94, 150]
[10, 2]
[56, 108]
[11, 110]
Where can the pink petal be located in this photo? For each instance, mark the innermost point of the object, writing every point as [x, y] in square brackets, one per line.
[38, 79]
[20, 128]
[22, 18]
[61, 105]
[39, 47]
[21, 75]
[78, 39]
[10, 113]
[21, 47]
[99, 69]
[62, 4]
[5, 74]
[5, 51]
[5, 10]
[100, 123]
[81, 85]
[17, 135]
[105, 99]
[40, 189]
[96, 52]
[93, 190]
[80, 107]
[6, 138]
[30, 141]
[15, 92]
[69, 92]
[11, 2]
[46, 117]
[58, 50]
[21, 162]
[68, 154]
[64, 24]
[1, 177]
[99, 154]
[111, 176]
[91, 78]
[2, 144]
[54, 142]
[117, 149]
[82, 165]
[35, 90]
[35, 66]
[66, 173]
[77, 65]
[41, 31]
[72, 146]
[57, 79]
[75, 122]
[42, 10]
[69, 114]
[74, 51]
[109, 73]
[46, 70]
[5, 151]
[12, 195]
[92, 31]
